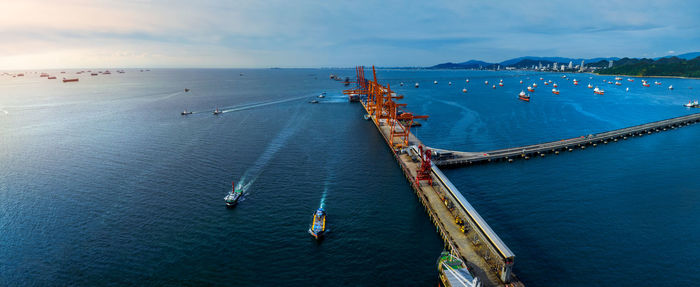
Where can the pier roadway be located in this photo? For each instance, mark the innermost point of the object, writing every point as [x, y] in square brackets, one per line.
[457, 158]
[464, 239]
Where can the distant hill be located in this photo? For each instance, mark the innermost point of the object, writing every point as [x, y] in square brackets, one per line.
[673, 66]
[471, 64]
[687, 56]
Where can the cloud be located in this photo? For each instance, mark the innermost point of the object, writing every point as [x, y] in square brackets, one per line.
[247, 33]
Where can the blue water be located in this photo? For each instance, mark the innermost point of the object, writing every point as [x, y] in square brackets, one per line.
[102, 182]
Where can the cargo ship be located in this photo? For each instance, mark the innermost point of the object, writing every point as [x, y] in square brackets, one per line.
[555, 91]
[70, 80]
[453, 272]
[598, 91]
[185, 112]
[232, 197]
[318, 225]
[523, 96]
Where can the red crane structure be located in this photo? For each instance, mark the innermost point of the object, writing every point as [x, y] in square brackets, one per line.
[380, 104]
[423, 172]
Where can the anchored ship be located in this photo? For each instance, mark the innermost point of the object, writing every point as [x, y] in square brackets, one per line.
[453, 272]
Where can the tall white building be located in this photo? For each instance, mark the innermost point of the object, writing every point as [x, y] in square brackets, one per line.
[571, 64]
[610, 64]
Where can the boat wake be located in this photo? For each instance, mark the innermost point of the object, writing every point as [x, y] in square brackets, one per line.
[257, 105]
[251, 175]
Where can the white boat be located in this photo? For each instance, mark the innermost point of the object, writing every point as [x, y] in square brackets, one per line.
[417, 85]
[486, 82]
[449, 83]
[554, 85]
[464, 90]
[534, 85]
[321, 96]
[589, 86]
[435, 82]
[467, 80]
[627, 90]
[670, 87]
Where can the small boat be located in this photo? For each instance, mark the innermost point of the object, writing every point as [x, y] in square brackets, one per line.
[534, 85]
[589, 86]
[550, 81]
[318, 224]
[353, 97]
[401, 84]
[523, 96]
[618, 83]
[494, 86]
[530, 89]
[618, 79]
[449, 83]
[500, 84]
[555, 91]
[670, 87]
[541, 78]
[51, 78]
[575, 82]
[645, 84]
[555, 85]
[367, 117]
[598, 91]
[185, 112]
[70, 80]
[546, 83]
[627, 90]
[417, 85]
[232, 197]
[467, 80]
[217, 111]
[521, 81]
[630, 80]
[435, 82]
[321, 96]
[314, 102]
[187, 90]
[464, 90]
[657, 83]
[93, 74]
[486, 82]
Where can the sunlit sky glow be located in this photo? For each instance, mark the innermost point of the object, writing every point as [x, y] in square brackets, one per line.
[77, 33]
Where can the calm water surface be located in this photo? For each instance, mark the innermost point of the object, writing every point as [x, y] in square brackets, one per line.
[103, 182]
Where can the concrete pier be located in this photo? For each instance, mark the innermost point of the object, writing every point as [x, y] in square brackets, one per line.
[464, 232]
[459, 158]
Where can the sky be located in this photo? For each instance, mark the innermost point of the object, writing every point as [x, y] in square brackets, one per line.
[303, 33]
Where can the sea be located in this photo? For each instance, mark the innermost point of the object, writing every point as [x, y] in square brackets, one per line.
[104, 183]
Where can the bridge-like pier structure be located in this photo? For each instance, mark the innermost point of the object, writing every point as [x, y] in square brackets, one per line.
[447, 158]
[465, 233]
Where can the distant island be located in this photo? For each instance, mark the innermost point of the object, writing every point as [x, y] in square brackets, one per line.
[684, 65]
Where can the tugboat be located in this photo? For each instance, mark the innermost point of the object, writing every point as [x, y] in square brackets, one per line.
[453, 272]
[185, 112]
[318, 225]
[523, 96]
[232, 197]
[217, 111]
[187, 90]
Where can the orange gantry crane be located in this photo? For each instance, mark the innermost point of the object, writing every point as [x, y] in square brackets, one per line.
[379, 101]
